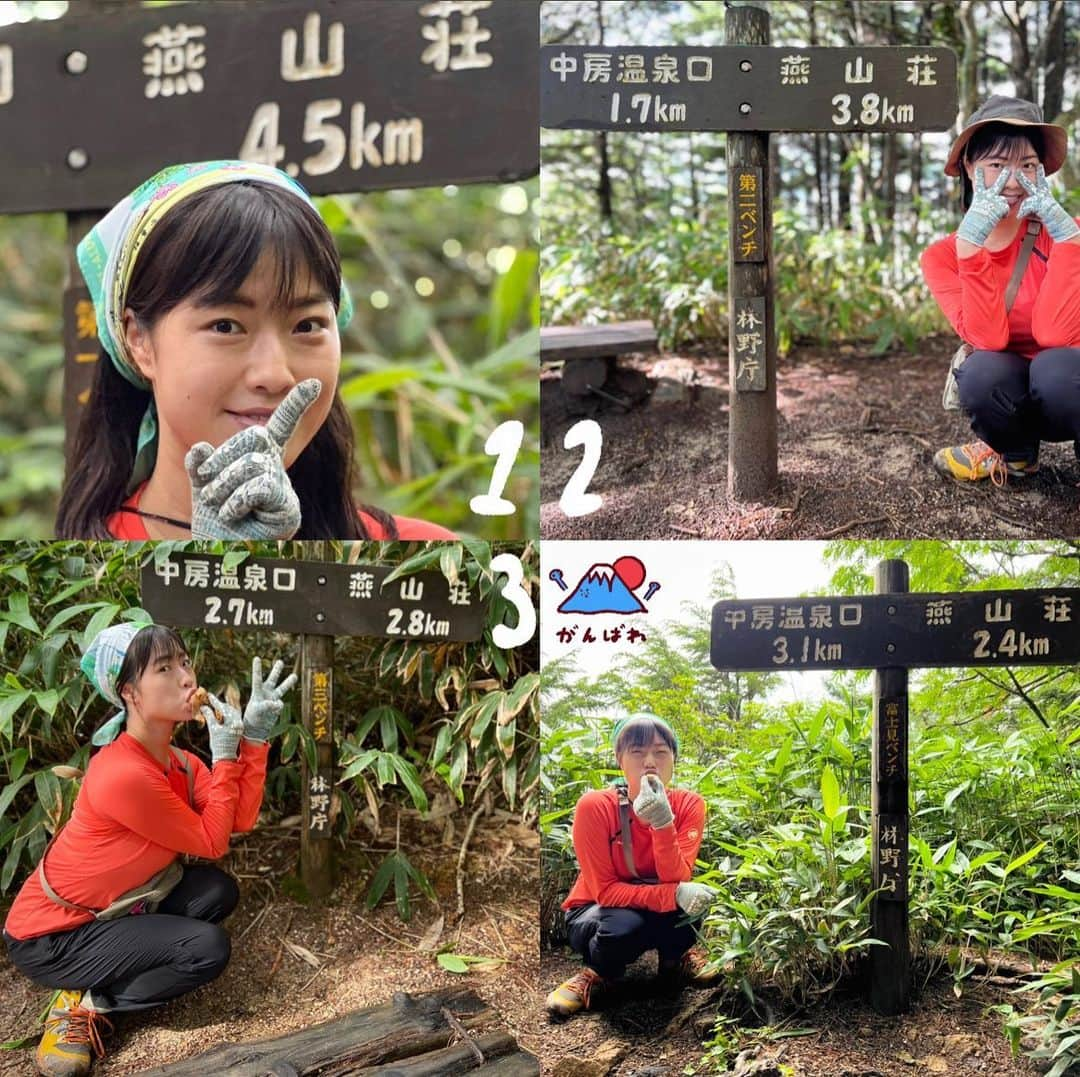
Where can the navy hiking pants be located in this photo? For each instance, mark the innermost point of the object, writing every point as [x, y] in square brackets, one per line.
[609, 939]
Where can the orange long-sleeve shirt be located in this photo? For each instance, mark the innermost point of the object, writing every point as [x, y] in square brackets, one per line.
[130, 820]
[971, 294]
[667, 854]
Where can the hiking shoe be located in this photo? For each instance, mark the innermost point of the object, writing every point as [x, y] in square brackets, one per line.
[693, 967]
[71, 1033]
[976, 460]
[575, 994]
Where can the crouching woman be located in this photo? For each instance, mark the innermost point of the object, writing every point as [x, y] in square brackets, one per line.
[636, 843]
[111, 916]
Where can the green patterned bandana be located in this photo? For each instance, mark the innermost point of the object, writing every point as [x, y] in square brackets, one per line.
[101, 663]
[107, 258]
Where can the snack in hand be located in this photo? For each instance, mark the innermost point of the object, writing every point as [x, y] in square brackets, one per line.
[200, 699]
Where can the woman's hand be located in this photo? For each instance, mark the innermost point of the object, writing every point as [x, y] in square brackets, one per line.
[987, 208]
[224, 734]
[265, 706]
[651, 804]
[1041, 203]
[240, 490]
[694, 898]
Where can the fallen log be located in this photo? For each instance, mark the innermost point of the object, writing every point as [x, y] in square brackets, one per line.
[409, 1036]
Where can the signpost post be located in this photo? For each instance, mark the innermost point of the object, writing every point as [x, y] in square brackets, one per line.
[317, 600]
[343, 96]
[747, 89]
[891, 632]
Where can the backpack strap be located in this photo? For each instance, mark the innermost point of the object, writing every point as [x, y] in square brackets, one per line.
[181, 758]
[1033, 229]
[624, 837]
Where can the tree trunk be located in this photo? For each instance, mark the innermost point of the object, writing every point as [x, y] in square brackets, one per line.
[1053, 62]
[603, 185]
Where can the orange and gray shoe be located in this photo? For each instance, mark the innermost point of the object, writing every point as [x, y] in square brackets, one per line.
[72, 1037]
[574, 995]
[976, 460]
[694, 967]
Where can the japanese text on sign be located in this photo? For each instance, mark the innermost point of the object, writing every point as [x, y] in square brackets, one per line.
[766, 88]
[319, 798]
[892, 751]
[748, 233]
[972, 628]
[320, 704]
[891, 853]
[748, 342]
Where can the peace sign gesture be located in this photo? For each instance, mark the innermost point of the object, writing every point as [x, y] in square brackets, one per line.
[988, 206]
[265, 706]
[1041, 203]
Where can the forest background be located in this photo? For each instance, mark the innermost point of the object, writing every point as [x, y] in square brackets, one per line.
[442, 347]
[635, 225]
[995, 805]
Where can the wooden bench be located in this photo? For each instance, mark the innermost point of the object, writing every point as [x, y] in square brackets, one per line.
[594, 350]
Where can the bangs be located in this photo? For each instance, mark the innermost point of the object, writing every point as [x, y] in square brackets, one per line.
[641, 732]
[208, 246]
[150, 644]
[1001, 140]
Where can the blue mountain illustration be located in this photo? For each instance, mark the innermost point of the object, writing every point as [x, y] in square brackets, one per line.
[601, 590]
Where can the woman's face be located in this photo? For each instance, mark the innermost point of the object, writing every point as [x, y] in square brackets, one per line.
[163, 690]
[655, 758]
[218, 368]
[1021, 158]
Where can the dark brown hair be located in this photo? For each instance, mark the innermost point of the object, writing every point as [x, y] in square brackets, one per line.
[640, 731]
[148, 645]
[206, 248]
[997, 140]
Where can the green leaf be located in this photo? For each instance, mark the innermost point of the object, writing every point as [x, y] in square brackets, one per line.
[453, 963]
[102, 619]
[830, 792]
[1024, 858]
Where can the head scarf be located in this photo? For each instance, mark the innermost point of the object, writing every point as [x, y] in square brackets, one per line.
[622, 723]
[101, 663]
[107, 257]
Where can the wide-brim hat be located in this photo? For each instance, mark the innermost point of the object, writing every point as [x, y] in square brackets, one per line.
[1016, 113]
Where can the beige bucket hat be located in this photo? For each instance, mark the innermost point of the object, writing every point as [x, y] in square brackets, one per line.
[1016, 113]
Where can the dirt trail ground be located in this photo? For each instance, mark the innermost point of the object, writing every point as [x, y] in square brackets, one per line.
[856, 436]
[363, 957]
[641, 1033]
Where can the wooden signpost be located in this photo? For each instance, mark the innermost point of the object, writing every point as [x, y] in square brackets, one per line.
[747, 89]
[317, 600]
[891, 632]
[343, 96]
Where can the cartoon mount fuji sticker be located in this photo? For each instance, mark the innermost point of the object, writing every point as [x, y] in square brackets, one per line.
[608, 589]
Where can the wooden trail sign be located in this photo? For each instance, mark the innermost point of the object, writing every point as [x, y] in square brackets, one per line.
[891, 632]
[317, 600]
[748, 88]
[345, 96]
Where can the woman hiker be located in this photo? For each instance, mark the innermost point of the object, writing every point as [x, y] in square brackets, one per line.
[1008, 280]
[215, 410]
[111, 916]
[636, 844]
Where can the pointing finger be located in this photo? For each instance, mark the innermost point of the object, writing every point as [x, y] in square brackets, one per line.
[1024, 182]
[249, 440]
[275, 672]
[256, 674]
[285, 685]
[980, 180]
[999, 183]
[291, 410]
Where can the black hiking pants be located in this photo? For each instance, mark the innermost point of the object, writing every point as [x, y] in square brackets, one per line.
[609, 939]
[135, 962]
[1015, 403]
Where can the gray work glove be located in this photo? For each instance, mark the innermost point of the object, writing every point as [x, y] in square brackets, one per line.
[694, 898]
[651, 804]
[224, 735]
[1041, 203]
[240, 490]
[265, 706]
[988, 206]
